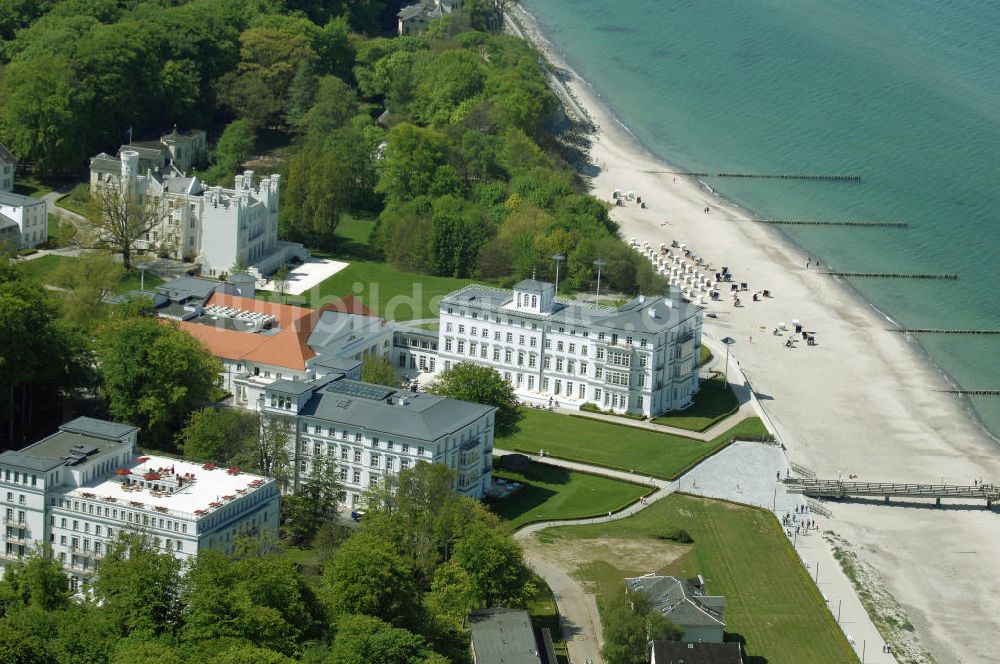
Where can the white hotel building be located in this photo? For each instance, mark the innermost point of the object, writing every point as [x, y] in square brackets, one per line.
[641, 357]
[80, 487]
[373, 431]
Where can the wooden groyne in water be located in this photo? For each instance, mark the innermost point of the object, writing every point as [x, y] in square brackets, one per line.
[974, 393]
[938, 330]
[791, 176]
[860, 222]
[768, 176]
[892, 275]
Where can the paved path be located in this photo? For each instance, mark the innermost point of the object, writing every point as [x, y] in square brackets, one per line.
[51, 207]
[578, 616]
[749, 473]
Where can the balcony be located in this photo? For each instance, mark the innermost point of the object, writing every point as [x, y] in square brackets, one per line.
[15, 523]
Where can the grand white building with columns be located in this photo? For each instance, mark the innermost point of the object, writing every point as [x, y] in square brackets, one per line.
[641, 357]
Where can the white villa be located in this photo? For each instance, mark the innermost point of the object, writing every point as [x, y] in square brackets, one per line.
[416, 17]
[80, 487]
[216, 227]
[8, 164]
[641, 357]
[24, 221]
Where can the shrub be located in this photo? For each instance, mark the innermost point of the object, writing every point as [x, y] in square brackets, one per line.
[677, 535]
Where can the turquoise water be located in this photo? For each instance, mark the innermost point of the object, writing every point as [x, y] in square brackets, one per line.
[904, 92]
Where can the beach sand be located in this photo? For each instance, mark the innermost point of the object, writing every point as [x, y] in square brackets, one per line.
[863, 401]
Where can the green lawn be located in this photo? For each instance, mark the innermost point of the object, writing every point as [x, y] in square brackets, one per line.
[41, 268]
[31, 187]
[392, 293]
[704, 356]
[713, 402]
[556, 493]
[618, 445]
[544, 613]
[352, 236]
[742, 554]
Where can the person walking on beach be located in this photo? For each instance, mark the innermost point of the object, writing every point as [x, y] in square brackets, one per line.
[808, 262]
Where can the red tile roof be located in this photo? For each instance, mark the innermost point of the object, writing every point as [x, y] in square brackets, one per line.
[287, 348]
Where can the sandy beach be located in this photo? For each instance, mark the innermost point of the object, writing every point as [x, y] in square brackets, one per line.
[863, 401]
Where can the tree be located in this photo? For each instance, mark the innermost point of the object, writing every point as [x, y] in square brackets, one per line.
[139, 585]
[234, 147]
[379, 371]
[630, 623]
[86, 281]
[484, 385]
[19, 647]
[316, 196]
[494, 565]
[268, 453]
[367, 640]
[334, 103]
[43, 108]
[38, 581]
[154, 375]
[281, 281]
[488, 15]
[367, 576]
[125, 216]
[41, 359]
[411, 158]
[314, 502]
[218, 434]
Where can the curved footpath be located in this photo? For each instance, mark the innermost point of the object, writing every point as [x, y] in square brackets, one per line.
[578, 616]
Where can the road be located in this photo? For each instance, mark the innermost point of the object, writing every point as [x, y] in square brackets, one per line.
[578, 616]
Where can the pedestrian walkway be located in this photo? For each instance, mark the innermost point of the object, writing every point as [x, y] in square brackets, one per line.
[578, 616]
[751, 474]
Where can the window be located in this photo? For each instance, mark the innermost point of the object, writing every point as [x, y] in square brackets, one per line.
[600, 353]
[473, 330]
[642, 343]
[510, 338]
[374, 442]
[531, 360]
[461, 346]
[461, 329]
[559, 364]
[420, 450]
[374, 460]
[546, 362]
[343, 474]
[628, 341]
[343, 454]
[482, 354]
[559, 346]
[447, 345]
[447, 327]
[582, 391]
[405, 447]
[520, 340]
[572, 348]
[356, 477]
[583, 368]
[520, 359]
[496, 354]
[643, 360]
[533, 342]
[357, 456]
[507, 355]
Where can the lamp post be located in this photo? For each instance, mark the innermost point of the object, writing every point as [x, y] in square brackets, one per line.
[729, 341]
[142, 275]
[558, 258]
[599, 263]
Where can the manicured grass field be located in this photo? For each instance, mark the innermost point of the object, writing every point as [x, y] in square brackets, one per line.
[392, 293]
[41, 268]
[31, 187]
[556, 493]
[742, 554]
[713, 402]
[618, 445]
[353, 232]
[704, 356]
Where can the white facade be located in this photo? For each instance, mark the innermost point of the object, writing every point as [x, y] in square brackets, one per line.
[639, 358]
[24, 221]
[215, 226]
[79, 488]
[372, 431]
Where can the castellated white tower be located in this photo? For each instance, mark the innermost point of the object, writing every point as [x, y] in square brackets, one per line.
[130, 166]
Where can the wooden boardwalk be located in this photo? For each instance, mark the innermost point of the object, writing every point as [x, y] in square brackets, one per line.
[819, 488]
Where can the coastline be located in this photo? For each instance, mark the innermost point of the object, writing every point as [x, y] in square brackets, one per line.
[863, 402]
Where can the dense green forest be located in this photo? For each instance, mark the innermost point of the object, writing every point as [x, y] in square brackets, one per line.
[443, 136]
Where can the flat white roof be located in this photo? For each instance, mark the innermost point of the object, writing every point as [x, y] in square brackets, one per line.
[203, 487]
[308, 274]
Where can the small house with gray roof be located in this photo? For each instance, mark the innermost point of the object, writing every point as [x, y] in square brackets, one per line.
[418, 16]
[24, 221]
[373, 431]
[503, 636]
[685, 603]
[640, 357]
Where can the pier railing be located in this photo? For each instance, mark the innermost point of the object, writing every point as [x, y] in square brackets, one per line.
[820, 488]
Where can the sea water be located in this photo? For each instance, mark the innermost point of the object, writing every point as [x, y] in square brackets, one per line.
[905, 93]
